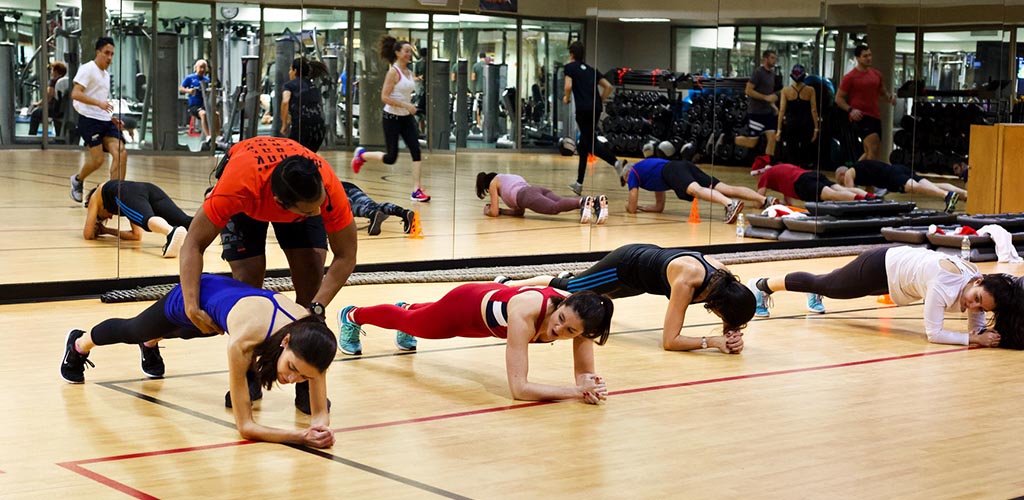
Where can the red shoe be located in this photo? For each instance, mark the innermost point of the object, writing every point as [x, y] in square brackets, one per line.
[357, 160]
[419, 195]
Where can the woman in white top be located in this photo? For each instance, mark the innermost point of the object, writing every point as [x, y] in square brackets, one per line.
[399, 113]
[945, 283]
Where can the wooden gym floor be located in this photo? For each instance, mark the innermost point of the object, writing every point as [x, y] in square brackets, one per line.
[851, 404]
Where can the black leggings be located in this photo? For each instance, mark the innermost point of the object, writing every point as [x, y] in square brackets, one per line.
[141, 201]
[308, 130]
[863, 276]
[148, 325]
[586, 121]
[404, 126]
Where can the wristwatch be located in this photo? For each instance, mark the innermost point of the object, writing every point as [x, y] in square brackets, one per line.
[703, 342]
[318, 310]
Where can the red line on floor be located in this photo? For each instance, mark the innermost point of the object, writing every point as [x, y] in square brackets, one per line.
[786, 372]
[106, 481]
[76, 465]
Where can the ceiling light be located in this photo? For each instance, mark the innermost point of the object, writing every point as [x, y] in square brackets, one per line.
[644, 19]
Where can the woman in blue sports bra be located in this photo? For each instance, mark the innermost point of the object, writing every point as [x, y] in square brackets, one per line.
[684, 276]
[269, 333]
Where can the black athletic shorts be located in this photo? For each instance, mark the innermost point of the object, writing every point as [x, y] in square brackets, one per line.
[868, 125]
[892, 177]
[809, 185]
[246, 237]
[762, 122]
[93, 131]
[678, 175]
[194, 110]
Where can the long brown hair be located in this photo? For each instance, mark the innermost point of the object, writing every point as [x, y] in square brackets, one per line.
[733, 301]
[311, 340]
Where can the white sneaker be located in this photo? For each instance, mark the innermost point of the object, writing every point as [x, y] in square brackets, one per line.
[621, 166]
[77, 187]
[175, 239]
[602, 209]
[587, 211]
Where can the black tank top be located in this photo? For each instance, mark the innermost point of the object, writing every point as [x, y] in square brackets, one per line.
[646, 266]
[798, 112]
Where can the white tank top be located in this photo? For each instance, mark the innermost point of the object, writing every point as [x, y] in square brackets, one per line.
[402, 93]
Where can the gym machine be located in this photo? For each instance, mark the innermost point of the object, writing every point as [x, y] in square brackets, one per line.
[495, 79]
[439, 124]
[461, 103]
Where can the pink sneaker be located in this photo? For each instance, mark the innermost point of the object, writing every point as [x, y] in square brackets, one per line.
[419, 195]
[357, 160]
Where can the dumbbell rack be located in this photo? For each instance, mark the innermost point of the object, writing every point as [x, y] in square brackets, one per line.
[643, 109]
[937, 134]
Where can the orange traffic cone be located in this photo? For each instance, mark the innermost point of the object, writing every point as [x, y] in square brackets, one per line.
[694, 213]
[591, 161]
[885, 299]
[416, 231]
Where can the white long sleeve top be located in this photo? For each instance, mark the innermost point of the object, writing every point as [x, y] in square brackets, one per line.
[916, 273]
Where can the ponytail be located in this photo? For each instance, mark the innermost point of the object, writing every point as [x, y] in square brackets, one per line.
[388, 46]
[483, 183]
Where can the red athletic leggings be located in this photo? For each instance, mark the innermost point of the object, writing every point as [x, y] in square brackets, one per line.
[457, 314]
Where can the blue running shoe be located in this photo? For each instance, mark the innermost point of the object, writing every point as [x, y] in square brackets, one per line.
[348, 336]
[814, 303]
[404, 341]
[761, 309]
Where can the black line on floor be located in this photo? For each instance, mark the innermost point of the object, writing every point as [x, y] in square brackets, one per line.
[322, 454]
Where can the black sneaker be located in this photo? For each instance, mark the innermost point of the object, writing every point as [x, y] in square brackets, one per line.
[952, 198]
[72, 367]
[407, 221]
[375, 222]
[255, 390]
[152, 362]
[302, 398]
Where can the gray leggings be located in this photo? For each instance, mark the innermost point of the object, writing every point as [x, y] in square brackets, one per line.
[863, 276]
[543, 201]
[364, 206]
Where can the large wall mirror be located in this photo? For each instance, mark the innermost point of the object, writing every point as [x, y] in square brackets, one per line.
[487, 84]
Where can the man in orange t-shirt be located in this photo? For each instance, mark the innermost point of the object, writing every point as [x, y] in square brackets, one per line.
[273, 180]
[858, 95]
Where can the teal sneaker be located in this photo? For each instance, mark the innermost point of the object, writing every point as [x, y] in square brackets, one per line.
[348, 336]
[761, 308]
[814, 303]
[404, 341]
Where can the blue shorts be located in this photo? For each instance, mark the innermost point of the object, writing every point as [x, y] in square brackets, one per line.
[93, 131]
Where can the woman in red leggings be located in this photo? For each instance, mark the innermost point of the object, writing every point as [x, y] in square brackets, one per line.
[522, 315]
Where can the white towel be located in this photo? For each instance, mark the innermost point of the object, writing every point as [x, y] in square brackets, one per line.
[1004, 242]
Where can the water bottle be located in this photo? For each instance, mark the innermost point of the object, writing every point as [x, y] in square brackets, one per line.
[965, 248]
[741, 226]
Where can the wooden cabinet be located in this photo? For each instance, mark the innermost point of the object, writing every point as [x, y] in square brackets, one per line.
[996, 182]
